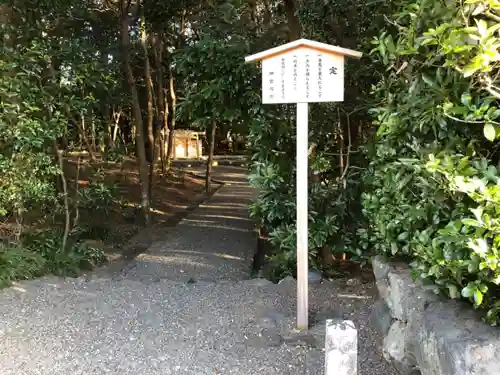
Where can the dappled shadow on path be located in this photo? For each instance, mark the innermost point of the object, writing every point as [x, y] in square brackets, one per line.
[216, 241]
[227, 174]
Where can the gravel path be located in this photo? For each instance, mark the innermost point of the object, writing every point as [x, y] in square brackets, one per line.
[125, 327]
[186, 307]
[58, 327]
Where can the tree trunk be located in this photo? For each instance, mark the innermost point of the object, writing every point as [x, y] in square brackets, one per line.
[210, 158]
[267, 13]
[149, 91]
[94, 135]
[152, 171]
[116, 126]
[108, 137]
[76, 196]
[136, 109]
[67, 212]
[173, 98]
[149, 87]
[133, 130]
[162, 105]
[80, 125]
[163, 154]
[292, 20]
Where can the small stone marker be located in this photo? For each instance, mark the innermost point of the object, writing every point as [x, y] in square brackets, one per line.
[341, 348]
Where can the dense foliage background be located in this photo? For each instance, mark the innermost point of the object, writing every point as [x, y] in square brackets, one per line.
[407, 166]
[432, 186]
[425, 168]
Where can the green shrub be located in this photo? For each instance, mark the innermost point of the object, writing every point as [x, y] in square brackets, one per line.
[275, 208]
[337, 132]
[433, 193]
[98, 196]
[77, 257]
[40, 253]
[17, 263]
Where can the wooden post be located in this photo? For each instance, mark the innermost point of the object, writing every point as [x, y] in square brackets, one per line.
[302, 216]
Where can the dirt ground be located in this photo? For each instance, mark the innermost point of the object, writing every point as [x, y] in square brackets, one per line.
[104, 200]
[173, 192]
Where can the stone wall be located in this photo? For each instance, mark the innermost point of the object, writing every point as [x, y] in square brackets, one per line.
[429, 335]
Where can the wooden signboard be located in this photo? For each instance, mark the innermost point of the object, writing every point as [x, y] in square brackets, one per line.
[302, 72]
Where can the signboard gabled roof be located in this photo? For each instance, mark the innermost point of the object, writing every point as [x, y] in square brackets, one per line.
[323, 47]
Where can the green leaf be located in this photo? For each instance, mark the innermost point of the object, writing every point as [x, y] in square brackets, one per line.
[471, 222]
[403, 236]
[394, 248]
[479, 245]
[482, 27]
[489, 132]
[478, 298]
[472, 67]
[468, 291]
[428, 80]
[478, 212]
[466, 99]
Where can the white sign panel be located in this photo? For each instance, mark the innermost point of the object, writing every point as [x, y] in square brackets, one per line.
[303, 75]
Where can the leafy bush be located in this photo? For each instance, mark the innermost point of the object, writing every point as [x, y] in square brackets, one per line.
[17, 263]
[43, 86]
[336, 133]
[98, 196]
[433, 195]
[40, 253]
[69, 262]
[331, 218]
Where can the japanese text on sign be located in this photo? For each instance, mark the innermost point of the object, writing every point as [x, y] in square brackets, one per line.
[295, 71]
[320, 76]
[282, 78]
[302, 76]
[308, 76]
[271, 85]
